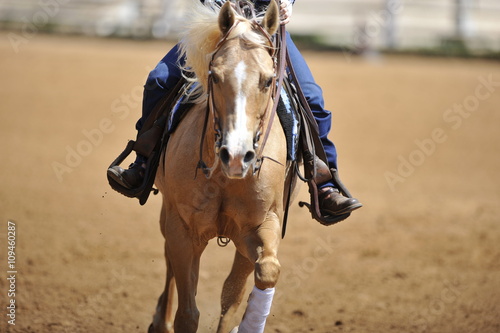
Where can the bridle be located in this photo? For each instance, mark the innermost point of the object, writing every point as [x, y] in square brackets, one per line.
[277, 51]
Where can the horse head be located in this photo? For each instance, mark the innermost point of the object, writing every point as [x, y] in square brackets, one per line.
[241, 79]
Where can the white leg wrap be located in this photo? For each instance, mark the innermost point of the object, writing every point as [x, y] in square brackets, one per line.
[258, 308]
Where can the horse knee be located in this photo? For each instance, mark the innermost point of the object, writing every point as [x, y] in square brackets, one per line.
[267, 271]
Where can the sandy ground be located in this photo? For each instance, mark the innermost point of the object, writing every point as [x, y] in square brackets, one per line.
[423, 254]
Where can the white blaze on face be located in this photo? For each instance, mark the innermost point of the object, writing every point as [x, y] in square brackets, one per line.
[237, 136]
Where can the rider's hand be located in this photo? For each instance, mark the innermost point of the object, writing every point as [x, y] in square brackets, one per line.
[285, 11]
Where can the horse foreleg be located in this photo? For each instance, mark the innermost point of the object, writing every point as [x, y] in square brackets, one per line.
[169, 310]
[186, 274]
[162, 320]
[263, 248]
[233, 290]
[184, 256]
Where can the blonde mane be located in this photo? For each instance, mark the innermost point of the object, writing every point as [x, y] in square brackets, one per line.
[199, 39]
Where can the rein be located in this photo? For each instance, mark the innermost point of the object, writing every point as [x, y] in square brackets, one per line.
[281, 58]
[278, 54]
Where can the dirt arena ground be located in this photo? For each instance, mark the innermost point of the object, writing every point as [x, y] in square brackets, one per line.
[418, 143]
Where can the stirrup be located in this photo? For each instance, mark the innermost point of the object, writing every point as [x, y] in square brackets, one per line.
[324, 219]
[317, 214]
[143, 191]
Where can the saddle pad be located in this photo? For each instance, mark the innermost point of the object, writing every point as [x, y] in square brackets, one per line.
[288, 115]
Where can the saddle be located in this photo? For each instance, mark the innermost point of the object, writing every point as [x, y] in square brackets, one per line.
[301, 130]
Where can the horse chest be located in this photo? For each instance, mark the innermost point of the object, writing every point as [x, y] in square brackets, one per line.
[215, 210]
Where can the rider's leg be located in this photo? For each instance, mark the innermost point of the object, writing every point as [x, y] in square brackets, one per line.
[331, 200]
[160, 80]
[314, 96]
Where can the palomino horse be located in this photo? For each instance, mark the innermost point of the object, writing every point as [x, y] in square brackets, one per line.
[232, 59]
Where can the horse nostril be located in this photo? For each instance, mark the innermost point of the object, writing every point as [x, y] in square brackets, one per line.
[227, 158]
[224, 155]
[249, 156]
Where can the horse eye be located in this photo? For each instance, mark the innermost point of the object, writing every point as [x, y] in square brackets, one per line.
[215, 78]
[269, 82]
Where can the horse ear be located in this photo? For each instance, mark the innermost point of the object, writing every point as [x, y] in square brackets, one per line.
[226, 17]
[271, 19]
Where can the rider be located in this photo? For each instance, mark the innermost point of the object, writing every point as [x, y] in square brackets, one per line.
[167, 73]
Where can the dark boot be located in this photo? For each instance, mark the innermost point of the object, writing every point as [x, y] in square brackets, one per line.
[131, 178]
[331, 202]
